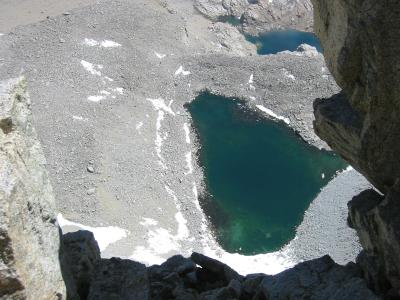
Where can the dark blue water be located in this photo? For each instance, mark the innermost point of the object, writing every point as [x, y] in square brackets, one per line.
[277, 41]
[259, 175]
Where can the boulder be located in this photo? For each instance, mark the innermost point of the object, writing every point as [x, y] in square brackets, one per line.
[80, 255]
[317, 279]
[29, 237]
[119, 279]
[222, 271]
[377, 221]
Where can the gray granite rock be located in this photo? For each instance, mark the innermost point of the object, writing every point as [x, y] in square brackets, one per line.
[29, 240]
[360, 42]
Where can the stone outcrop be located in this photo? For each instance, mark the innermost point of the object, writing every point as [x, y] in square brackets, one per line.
[377, 221]
[29, 238]
[361, 46]
[360, 42]
[260, 15]
[201, 277]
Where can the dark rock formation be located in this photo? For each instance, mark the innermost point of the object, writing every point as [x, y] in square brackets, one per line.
[377, 221]
[361, 45]
[80, 255]
[201, 277]
[29, 240]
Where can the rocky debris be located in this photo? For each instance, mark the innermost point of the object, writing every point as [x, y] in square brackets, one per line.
[360, 41]
[29, 240]
[228, 37]
[215, 9]
[266, 15]
[377, 221]
[261, 15]
[201, 277]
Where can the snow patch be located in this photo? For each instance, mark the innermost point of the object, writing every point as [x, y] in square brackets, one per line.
[187, 133]
[159, 104]
[160, 56]
[289, 75]
[160, 241]
[148, 222]
[181, 71]
[251, 79]
[96, 98]
[79, 118]
[91, 68]
[109, 44]
[183, 230]
[160, 139]
[104, 43]
[139, 126]
[272, 114]
[189, 165]
[103, 235]
[103, 92]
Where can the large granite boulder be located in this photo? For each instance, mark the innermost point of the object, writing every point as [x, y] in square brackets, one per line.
[361, 47]
[29, 238]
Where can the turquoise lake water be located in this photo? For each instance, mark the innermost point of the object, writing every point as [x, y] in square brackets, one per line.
[260, 176]
[277, 41]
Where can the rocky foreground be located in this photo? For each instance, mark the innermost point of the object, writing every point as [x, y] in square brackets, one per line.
[199, 277]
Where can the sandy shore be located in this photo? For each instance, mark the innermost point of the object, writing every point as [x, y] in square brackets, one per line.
[108, 84]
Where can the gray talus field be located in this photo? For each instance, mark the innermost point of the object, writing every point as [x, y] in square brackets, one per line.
[108, 84]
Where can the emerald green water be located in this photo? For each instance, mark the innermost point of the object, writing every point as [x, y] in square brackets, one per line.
[259, 175]
[277, 41]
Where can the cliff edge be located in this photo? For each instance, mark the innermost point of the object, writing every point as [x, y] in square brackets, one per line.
[29, 238]
[361, 45]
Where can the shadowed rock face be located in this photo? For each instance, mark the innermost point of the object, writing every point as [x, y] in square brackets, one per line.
[200, 278]
[361, 47]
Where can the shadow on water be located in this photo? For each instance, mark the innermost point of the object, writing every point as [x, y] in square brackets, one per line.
[277, 41]
[260, 176]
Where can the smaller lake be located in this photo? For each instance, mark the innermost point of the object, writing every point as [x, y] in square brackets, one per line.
[259, 175]
[278, 41]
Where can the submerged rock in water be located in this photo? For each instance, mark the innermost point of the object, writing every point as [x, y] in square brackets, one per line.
[29, 239]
